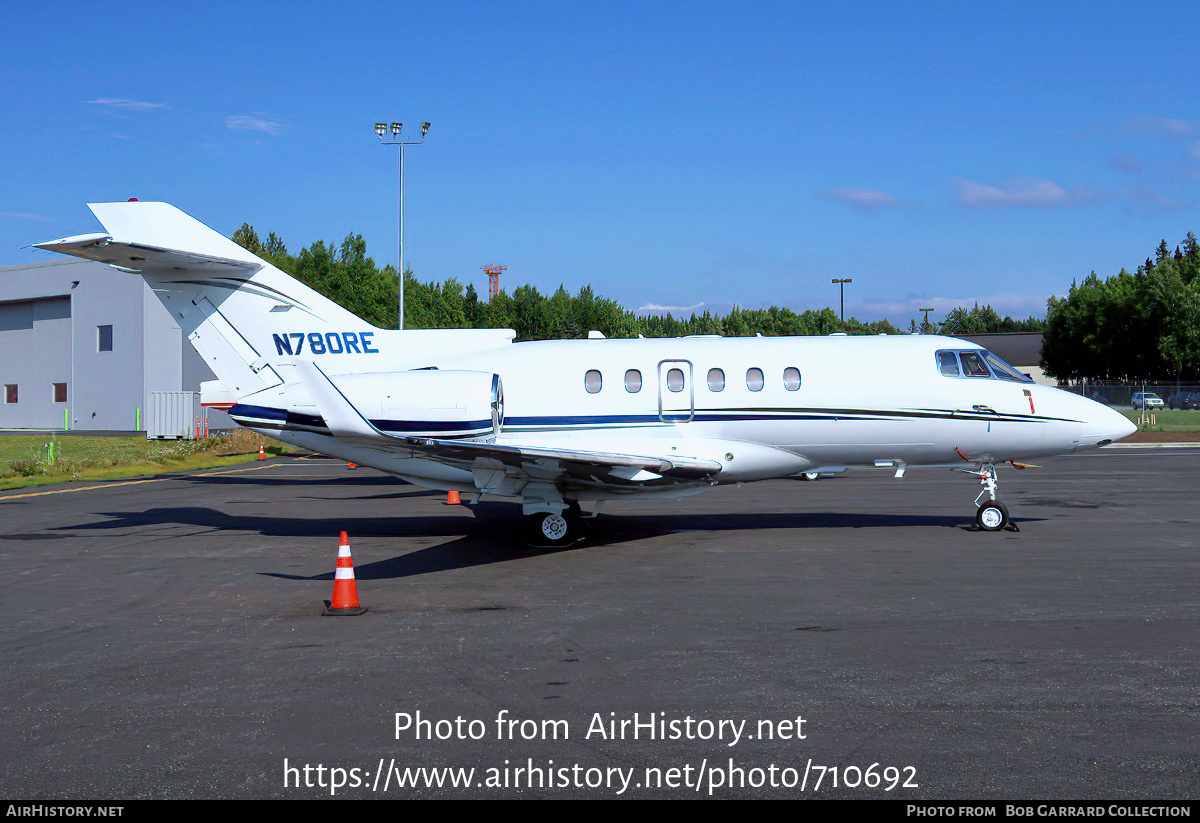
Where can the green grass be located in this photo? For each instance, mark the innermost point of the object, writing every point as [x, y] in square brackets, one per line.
[25, 458]
[1167, 420]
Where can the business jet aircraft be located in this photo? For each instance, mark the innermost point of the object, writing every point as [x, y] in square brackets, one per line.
[557, 423]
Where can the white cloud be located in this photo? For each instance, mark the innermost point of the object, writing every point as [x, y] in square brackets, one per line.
[254, 122]
[1015, 305]
[1155, 126]
[863, 200]
[654, 308]
[1021, 193]
[1127, 163]
[26, 216]
[1148, 201]
[123, 103]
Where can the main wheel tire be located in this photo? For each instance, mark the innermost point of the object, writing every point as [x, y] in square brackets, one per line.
[551, 530]
[992, 516]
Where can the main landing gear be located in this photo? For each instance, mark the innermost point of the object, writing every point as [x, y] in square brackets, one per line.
[555, 530]
[990, 515]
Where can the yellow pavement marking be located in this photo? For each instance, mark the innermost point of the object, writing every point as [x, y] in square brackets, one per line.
[137, 482]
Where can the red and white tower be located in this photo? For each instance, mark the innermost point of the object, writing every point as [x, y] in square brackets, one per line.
[493, 273]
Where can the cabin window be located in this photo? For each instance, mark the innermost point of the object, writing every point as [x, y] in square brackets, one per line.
[675, 380]
[754, 379]
[104, 338]
[791, 378]
[633, 381]
[60, 392]
[716, 380]
[973, 365]
[948, 363]
[592, 381]
[10, 392]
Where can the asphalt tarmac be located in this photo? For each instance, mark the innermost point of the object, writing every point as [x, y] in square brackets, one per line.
[163, 638]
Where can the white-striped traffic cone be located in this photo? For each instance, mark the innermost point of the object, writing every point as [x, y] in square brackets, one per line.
[345, 589]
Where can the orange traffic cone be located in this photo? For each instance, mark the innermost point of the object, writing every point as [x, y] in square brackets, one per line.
[345, 590]
[453, 498]
[351, 466]
[262, 452]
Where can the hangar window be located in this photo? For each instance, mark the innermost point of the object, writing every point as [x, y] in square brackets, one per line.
[675, 380]
[10, 392]
[104, 338]
[791, 378]
[592, 381]
[633, 381]
[754, 379]
[716, 380]
[60, 392]
[948, 363]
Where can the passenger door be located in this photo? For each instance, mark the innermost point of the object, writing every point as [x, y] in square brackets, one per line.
[676, 392]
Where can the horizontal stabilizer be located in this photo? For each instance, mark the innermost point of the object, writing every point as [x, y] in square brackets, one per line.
[154, 237]
[138, 257]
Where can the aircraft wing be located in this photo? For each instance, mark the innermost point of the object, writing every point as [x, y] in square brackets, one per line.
[491, 460]
[545, 463]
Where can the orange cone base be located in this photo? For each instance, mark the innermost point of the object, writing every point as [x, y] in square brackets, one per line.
[345, 612]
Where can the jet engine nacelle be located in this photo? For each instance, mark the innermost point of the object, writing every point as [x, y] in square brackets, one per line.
[428, 402]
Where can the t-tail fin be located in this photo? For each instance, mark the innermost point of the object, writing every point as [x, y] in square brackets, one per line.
[236, 309]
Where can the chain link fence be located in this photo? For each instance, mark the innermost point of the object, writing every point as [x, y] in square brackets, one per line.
[1174, 396]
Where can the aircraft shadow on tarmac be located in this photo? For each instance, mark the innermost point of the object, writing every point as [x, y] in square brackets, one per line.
[494, 533]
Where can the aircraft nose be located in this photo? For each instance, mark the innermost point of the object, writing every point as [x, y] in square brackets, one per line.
[1104, 425]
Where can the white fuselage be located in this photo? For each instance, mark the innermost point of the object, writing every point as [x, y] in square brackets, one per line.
[879, 400]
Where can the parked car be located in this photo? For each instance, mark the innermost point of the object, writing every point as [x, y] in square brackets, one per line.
[1184, 400]
[1147, 400]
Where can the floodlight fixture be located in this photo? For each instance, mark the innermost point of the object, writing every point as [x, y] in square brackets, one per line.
[389, 135]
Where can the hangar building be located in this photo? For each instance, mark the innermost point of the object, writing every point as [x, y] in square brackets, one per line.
[83, 345]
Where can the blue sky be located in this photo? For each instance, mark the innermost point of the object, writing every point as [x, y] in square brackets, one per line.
[693, 154]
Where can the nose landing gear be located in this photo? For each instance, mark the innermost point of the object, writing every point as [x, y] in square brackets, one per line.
[990, 515]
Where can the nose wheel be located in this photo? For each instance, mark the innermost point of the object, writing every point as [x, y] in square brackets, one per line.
[990, 514]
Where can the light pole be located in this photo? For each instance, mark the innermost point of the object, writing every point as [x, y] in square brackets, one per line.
[382, 131]
[842, 293]
[925, 325]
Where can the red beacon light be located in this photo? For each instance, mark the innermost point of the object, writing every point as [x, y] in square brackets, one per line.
[133, 199]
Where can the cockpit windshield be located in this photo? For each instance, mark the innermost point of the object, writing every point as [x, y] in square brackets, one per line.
[977, 363]
[1005, 371]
